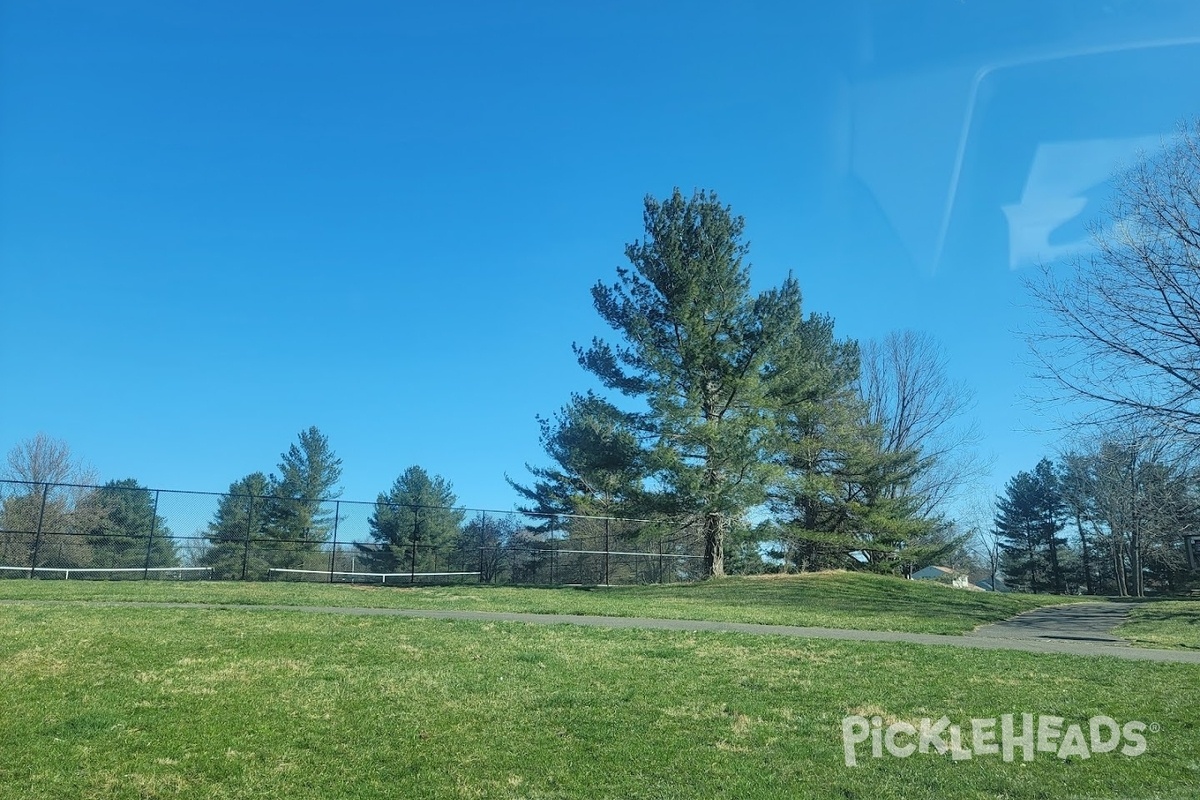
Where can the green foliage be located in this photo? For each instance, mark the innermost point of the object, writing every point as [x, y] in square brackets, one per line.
[239, 529]
[128, 532]
[746, 552]
[705, 356]
[845, 498]
[308, 474]
[743, 405]
[1029, 518]
[598, 463]
[279, 521]
[414, 523]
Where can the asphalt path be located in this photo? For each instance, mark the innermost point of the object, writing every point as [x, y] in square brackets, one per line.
[1075, 629]
[1078, 622]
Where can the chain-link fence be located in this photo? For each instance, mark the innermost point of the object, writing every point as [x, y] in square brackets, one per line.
[124, 531]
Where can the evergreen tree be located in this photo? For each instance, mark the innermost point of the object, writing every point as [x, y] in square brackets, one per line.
[598, 464]
[598, 471]
[704, 356]
[415, 525]
[129, 533]
[239, 530]
[844, 499]
[1029, 518]
[308, 474]
[817, 426]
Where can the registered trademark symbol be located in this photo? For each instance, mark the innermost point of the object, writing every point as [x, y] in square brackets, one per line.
[1155, 727]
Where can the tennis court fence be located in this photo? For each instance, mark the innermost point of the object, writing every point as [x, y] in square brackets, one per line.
[122, 531]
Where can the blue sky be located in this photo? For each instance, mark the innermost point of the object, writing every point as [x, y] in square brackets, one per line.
[221, 223]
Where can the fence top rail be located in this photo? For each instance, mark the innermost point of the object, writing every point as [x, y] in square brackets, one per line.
[335, 500]
[110, 569]
[370, 574]
[665, 554]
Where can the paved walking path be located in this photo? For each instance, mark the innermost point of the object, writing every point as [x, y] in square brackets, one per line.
[978, 640]
[1078, 622]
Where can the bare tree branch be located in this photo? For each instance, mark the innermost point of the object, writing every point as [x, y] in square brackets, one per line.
[1122, 326]
[906, 386]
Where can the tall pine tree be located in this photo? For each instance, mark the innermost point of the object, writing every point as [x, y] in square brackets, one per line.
[704, 357]
[1029, 517]
[300, 518]
[414, 525]
[128, 531]
[238, 534]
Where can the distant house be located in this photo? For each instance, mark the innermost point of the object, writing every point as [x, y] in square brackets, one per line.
[933, 573]
[987, 585]
[953, 577]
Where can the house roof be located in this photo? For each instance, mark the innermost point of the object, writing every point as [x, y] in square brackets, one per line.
[943, 570]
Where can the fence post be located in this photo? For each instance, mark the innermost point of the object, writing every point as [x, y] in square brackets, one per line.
[483, 541]
[606, 548]
[249, 528]
[37, 537]
[150, 539]
[660, 568]
[337, 512]
[412, 564]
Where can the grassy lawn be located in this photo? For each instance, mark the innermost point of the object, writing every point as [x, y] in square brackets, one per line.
[1163, 623]
[833, 599]
[189, 703]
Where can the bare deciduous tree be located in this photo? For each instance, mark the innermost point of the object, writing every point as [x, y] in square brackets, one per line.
[1123, 323]
[1130, 493]
[43, 459]
[53, 493]
[906, 386]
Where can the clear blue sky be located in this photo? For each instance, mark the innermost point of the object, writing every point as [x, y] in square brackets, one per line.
[221, 223]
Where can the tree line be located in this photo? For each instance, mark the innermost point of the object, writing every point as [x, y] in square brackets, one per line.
[114, 525]
[736, 413]
[55, 515]
[1107, 519]
[724, 411]
[1118, 346]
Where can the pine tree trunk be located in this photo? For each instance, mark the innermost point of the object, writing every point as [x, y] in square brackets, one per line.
[714, 545]
[1055, 569]
[714, 521]
[1032, 554]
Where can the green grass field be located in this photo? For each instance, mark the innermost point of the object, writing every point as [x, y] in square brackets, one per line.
[1164, 623]
[832, 599]
[134, 702]
[123, 702]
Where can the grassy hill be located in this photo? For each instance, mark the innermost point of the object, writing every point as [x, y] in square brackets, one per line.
[825, 599]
